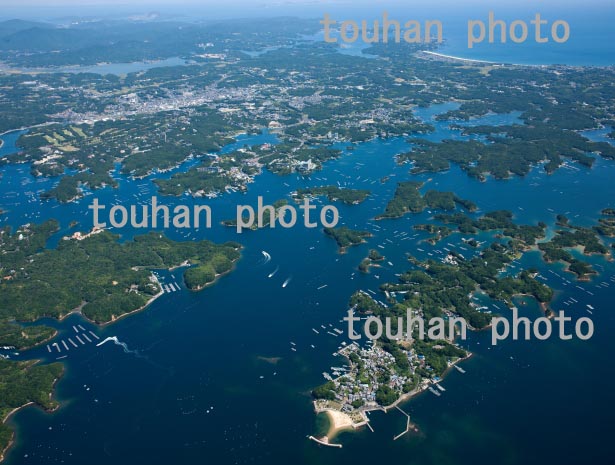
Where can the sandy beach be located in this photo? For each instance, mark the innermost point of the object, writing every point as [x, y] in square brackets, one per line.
[338, 421]
[451, 57]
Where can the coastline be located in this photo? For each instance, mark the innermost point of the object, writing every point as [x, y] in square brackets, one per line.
[587, 277]
[216, 278]
[338, 422]
[422, 387]
[341, 421]
[8, 416]
[344, 250]
[27, 128]
[451, 57]
[155, 297]
[143, 307]
[12, 440]
[44, 341]
[102, 325]
[422, 53]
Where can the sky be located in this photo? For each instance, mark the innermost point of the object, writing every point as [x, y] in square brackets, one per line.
[215, 9]
[282, 3]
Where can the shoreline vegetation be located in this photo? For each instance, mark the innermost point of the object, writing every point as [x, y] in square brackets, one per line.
[118, 280]
[341, 421]
[346, 237]
[41, 381]
[217, 276]
[333, 194]
[313, 99]
[267, 219]
[373, 259]
[391, 371]
[140, 309]
[408, 199]
[115, 278]
[11, 441]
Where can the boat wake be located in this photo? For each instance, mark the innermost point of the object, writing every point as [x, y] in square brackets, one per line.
[117, 342]
[287, 281]
[267, 256]
[272, 274]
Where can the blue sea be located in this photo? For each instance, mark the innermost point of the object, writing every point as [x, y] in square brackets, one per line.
[211, 377]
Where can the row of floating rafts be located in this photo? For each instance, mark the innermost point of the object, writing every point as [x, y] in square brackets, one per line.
[66, 347]
[171, 287]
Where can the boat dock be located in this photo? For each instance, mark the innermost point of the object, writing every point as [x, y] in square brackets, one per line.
[62, 345]
[170, 287]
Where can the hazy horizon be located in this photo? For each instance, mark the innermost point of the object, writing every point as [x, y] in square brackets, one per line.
[242, 8]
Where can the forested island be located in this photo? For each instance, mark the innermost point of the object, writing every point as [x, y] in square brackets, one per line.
[266, 220]
[372, 259]
[333, 194]
[513, 151]
[408, 199]
[346, 237]
[439, 232]
[526, 237]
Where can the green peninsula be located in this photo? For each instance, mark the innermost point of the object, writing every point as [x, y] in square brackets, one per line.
[380, 376]
[94, 273]
[23, 383]
[91, 273]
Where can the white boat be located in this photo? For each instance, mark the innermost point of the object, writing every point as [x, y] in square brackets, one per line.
[272, 274]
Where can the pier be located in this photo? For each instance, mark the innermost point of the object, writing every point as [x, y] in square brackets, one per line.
[324, 442]
[62, 345]
[408, 424]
